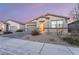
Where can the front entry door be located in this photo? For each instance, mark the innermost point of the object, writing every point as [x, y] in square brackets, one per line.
[41, 28]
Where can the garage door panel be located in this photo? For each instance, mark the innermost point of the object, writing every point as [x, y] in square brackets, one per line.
[13, 28]
[30, 28]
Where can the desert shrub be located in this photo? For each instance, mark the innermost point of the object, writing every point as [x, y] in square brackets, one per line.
[74, 34]
[7, 32]
[68, 39]
[19, 30]
[35, 32]
[72, 40]
[51, 39]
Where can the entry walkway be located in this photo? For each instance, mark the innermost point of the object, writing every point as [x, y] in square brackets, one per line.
[11, 46]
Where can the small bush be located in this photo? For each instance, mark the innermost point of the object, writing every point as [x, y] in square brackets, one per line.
[7, 32]
[51, 39]
[68, 39]
[19, 30]
[74, 34]
[35, 32]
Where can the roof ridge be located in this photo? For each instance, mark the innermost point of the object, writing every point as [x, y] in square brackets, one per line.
[56, 15]
[44, 16]
[14, 21]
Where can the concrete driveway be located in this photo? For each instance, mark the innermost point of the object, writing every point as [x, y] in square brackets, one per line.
[18, 35]
[11, 46]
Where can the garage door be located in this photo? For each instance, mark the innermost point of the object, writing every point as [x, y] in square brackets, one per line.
[30, 28]
[13, 28]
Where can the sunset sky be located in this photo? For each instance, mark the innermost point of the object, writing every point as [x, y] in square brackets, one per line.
[28, 11]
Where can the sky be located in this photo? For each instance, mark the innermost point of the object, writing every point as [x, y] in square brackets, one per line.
[24, 12]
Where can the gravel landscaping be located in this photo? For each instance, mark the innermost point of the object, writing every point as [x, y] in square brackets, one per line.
[46, 38]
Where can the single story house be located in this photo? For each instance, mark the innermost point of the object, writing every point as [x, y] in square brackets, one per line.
[49, 23]
[73, 26]
[15, 25]
[3, 26]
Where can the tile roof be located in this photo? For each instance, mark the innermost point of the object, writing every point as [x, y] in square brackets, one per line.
[44, 16]
[3, 22]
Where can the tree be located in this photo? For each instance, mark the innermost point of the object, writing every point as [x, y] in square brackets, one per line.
[74, 14]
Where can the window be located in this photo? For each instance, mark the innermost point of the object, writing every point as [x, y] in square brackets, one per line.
[57, 24]
[53, 24]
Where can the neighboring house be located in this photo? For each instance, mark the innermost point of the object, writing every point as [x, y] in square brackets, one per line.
[15, 25]
[74, 26]
[3, 26]
[49, 23]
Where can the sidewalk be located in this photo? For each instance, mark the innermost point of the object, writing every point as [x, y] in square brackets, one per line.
[11, 46]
